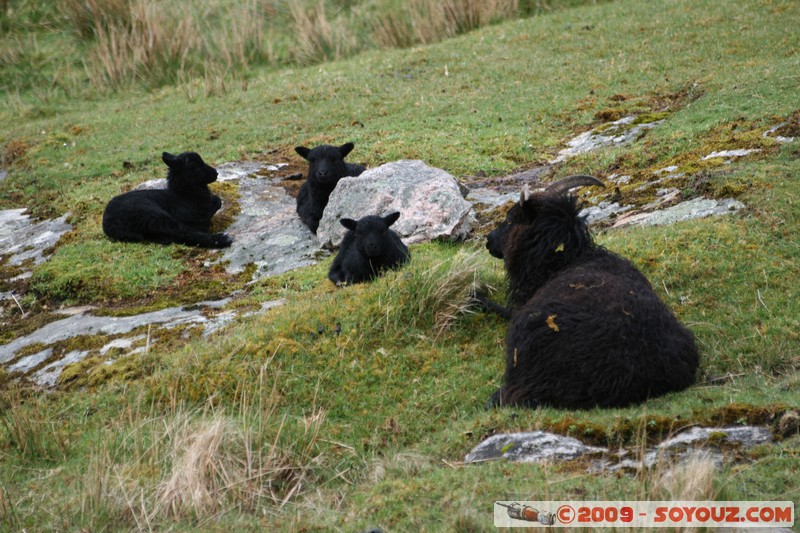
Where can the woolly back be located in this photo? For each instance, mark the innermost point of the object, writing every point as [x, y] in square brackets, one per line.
[553, 237]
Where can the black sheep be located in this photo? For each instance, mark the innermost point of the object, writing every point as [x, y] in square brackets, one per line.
[326, 166]
[181, 213]
[368, 248]
[586, 328]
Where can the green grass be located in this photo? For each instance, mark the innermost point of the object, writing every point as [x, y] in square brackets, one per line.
[370, 425]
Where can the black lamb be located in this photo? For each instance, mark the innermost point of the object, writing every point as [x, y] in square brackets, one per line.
[326, 166]
[586, 328]
[368, 248]
[181, 213]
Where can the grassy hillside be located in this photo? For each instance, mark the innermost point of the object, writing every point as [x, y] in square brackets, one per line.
[270, 425]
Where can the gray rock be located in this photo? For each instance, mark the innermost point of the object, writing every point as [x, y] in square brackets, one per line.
[691, 209]
[491, 197]
[124, 343]
[48, 376]
[667, 170]
[242, 169]
[428, 198]
[86, 324]
[615, 133]
[727, 154]
[22, 239]
[80, 322]
[603, 211]
[619, 179]
[3, 174]
[746, 436]
[26, 364]
[534, 446]
[687, 444]
[664, 198]
[268, 232]
[770, 133]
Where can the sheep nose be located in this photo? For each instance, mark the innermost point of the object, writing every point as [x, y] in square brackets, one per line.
[322, 172]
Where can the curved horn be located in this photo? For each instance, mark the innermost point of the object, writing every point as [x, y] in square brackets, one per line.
[524, 195]
[570, 182]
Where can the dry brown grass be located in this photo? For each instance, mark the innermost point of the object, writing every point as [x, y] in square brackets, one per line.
[152, 46]
[215, 464]
[201, 464]
[428, 21]
[156, 46]
[157, 43]
[88, 15]
[316, 37]
[691, 478]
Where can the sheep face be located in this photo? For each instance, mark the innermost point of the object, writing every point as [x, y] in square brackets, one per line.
[372, 234]
[189, 169]
[326, 162]
[542, 212]
[520, 214]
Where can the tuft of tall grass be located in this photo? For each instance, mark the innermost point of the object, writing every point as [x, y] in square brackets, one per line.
[29, 432]
[86, 16]
[152, 47]
[317, 38]
[428, 21]
[198, 463]
[8, 515]
[436, 295]
[692, 478]
[155, 46]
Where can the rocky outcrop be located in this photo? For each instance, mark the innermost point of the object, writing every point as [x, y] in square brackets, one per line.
[429, 200]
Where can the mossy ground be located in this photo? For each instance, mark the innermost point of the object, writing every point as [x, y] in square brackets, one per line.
[378, 417]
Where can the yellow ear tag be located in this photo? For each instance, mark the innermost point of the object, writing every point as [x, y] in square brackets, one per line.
[560, 247]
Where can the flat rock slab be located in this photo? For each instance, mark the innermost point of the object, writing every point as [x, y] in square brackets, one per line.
[691, 209]
[429, 200]
[268, 232]
[615, 133]
[209, 315]
[687, 444]
[540, 446]
[604, 211]
[746, 436]
[88, 324]
[24, 240]
[531, 447]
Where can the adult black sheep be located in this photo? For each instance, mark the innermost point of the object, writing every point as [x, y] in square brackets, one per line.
[586, 328]
[368, 248]
[326, 166]
[181, 213]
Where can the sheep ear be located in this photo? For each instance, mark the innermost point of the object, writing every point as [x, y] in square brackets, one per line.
[303, 151]
[346, 148]
[524, 195]
[391, 218]
[169, 159]
[349, 223]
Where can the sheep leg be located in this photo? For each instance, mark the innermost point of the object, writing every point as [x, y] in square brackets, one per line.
[166, 230]
[495, 400]
[483, 302]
